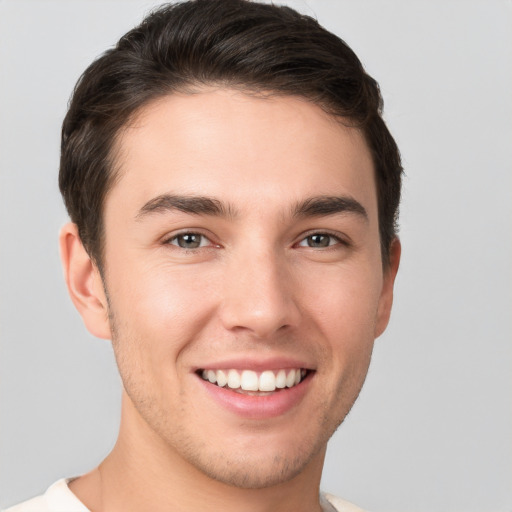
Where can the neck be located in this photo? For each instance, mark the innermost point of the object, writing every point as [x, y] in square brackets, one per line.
[143, 473]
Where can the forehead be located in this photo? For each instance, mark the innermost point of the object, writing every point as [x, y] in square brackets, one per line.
[240, 147]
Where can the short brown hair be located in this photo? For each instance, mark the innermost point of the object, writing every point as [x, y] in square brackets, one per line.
[228, 43]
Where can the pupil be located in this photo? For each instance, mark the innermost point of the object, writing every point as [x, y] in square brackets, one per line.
[319, 240]
[189, 241]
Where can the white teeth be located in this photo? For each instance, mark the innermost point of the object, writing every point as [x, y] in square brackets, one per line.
[290, 379]
[281, 379]
[233, 379]
[267, 381]
[248, 380]
[222, 378]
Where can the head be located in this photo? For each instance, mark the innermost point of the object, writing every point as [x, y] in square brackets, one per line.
[235, 193]
[228, 43]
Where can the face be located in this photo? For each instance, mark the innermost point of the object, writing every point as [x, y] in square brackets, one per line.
[244, 280]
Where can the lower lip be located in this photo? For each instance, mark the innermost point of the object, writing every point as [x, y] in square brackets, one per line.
[258, 407]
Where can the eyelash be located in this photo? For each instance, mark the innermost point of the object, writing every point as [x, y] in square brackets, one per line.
[337, 239]
[175, 238]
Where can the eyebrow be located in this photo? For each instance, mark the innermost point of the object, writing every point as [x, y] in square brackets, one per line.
[196, 205]
[329, 205]
[200, 205]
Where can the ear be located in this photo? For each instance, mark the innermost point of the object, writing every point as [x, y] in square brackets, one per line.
[386, 296]
[84, 282]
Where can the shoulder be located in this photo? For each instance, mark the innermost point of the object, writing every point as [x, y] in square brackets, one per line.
[38, 504]
[339, 505]
[58, 498]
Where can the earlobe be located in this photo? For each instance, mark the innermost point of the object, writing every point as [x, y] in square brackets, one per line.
[84, 282]
[386, 297]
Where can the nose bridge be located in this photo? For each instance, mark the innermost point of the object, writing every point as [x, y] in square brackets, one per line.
[258, 292]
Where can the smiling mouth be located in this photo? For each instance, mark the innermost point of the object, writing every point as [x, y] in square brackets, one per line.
[255, 383]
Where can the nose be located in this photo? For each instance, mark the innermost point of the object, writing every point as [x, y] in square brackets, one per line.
[259, 295]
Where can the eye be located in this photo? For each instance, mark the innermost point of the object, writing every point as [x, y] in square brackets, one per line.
[319, 241]
[189, 241]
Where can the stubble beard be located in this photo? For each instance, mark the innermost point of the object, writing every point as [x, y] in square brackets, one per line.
[221, 464]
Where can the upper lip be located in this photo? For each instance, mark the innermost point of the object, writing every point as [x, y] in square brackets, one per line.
[256, 364]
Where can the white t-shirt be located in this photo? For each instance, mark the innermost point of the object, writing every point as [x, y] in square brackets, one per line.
[59, 498]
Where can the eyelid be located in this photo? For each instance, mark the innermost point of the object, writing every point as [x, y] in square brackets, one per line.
[167, 239]
[340, 237]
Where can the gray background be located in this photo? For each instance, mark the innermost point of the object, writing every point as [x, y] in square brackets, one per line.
[432, 429]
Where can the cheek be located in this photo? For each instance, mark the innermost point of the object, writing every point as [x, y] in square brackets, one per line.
[345, 309]
[348, 292]
[160, 311]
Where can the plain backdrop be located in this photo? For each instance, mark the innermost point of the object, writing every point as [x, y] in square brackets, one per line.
[432, 430]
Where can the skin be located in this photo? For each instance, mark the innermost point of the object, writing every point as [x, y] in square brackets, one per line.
[257, 288]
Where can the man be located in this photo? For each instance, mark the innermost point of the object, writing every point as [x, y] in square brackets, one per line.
[233, 193]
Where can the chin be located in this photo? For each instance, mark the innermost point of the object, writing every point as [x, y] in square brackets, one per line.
[260, 459]
[256, 472]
